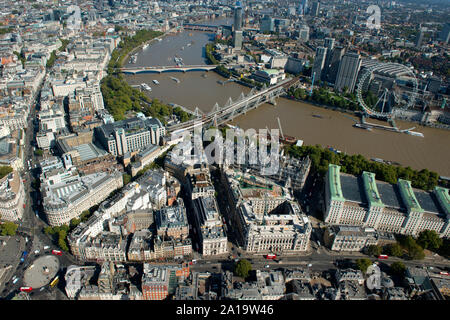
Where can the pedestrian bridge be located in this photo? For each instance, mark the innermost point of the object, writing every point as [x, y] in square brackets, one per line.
[136, 70]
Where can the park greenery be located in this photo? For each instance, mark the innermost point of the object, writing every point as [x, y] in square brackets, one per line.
[51, 60]
[120, 97]
[413, 249]
[21, 57]
[64, 43]
[6, 30]
[398, 268]
[5, 170]
[126, 179]
[127, 44]
[209, 52]
[356, 164]
[38, 152]
[323, 96]
[363, 264]
[8, 228]
[242, 268]
[374, 250]
[429, 239]
[394, 249]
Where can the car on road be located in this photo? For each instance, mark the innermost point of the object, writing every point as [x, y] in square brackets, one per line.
[46, 247]
[309, 265]
[36, 251]
[16, 280]
[267, 266]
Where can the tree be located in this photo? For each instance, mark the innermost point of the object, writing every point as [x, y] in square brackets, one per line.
[242, 268]
[5, 170]
[363, 264]
[416, 252]
[126, 179]
[8, 228]
[394, 250]
[38, 152]
[429, 239]
[374, 250]
[74, 222]
[84, 215]
[398, 268]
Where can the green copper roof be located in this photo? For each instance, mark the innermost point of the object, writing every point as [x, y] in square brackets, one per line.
[443, 198]
[371, 190]
[334, 179]
[408, 196]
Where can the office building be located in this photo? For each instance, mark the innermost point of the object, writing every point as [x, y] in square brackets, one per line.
[66, 196]
[348, 72]
[130, 135]
[155, 282]
[303, 33]
[264, 216]
[172, 221]
[304, 7]
[315, 9]
[333, 68]
[329, 44]
[444, 36]
[419, 38]
[354, 238]
[213, 240]
[237, 39]
[363, 201]
[12, 197]
[238, 17]
[319, 62]
[267, 24]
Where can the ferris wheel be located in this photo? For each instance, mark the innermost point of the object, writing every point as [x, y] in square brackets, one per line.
[379, 93]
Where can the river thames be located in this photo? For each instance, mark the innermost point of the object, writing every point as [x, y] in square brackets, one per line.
[333, 128]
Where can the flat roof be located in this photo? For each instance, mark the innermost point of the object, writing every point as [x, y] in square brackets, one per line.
[353, 189]
[390, 195]
[427, 201]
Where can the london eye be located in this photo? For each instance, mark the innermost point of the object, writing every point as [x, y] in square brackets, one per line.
[384, 87]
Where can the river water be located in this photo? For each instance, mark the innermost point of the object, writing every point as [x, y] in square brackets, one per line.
[203, 90]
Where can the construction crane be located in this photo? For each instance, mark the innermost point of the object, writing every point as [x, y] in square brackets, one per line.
[312, 84]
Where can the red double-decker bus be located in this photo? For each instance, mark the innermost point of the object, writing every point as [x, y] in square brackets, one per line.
[271, 256]
[383, 256]
[26, 289]
[56, 252]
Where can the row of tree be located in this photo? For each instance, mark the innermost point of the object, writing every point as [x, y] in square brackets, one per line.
[127, 44]
[356, 164]
[59, 233]
[323, 96]
[120, 97]
[410, 246]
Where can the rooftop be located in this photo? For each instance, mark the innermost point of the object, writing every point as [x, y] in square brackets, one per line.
[335, 182]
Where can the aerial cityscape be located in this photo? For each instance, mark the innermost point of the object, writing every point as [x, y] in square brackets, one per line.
[225, 150]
